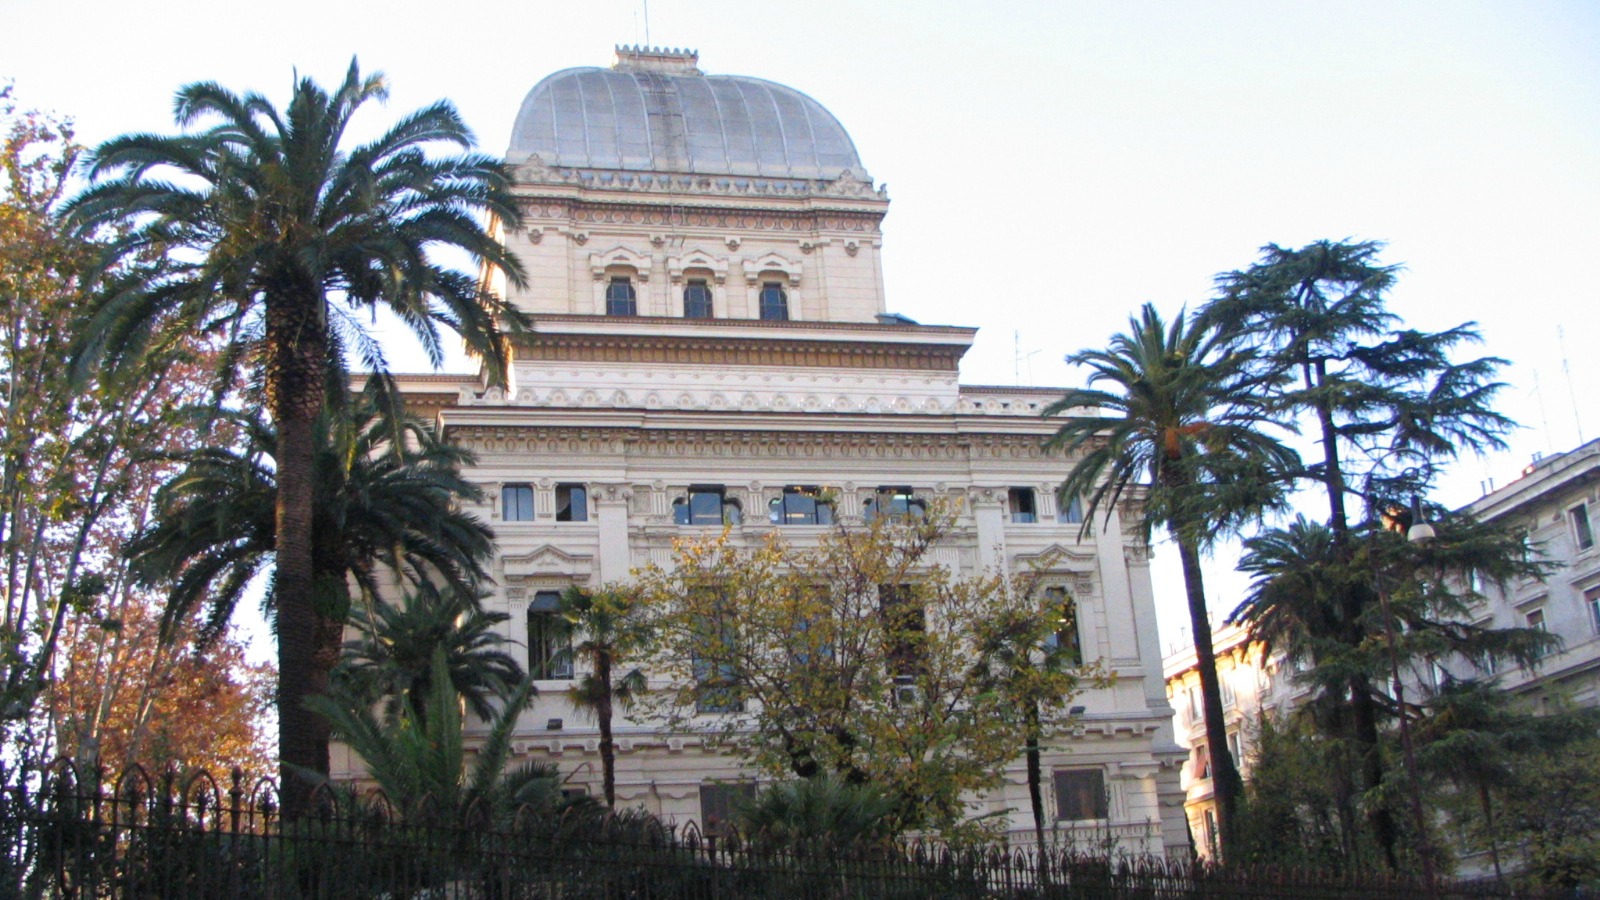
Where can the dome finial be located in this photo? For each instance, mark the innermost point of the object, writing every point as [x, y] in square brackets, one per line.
[657, 59]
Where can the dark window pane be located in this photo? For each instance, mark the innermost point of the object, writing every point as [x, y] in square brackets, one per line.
[1080, 794]
[895, 502]
[801, 506]
[774, 302]
[719, 805]
[572, 503]
[1072, 514]
[697, 299]
[620, 298]
[1059, 604]
[1021, 502]
[705, 507]
[549, 638]
[904, 621]
[516, 503]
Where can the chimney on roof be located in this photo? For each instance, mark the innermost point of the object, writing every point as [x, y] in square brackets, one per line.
[657, 59]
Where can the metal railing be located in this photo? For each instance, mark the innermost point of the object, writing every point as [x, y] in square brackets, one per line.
[137, 836]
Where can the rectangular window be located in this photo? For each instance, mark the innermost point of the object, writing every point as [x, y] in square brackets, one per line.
[1209, 832]
[572, 503]
[720, 802]
[549, 638]
[1591, 599]
[620, 298]
[774, 302]
[516, 503]
[716, 677]
[1021, 503]
[697, 299]
[1080, 795]
[1235, 748]
[904, 622]
[801, 505]
[1202, 761]
[1582, 531]
[1072, 513]
[1535, 620]
[1196, 708]
[1225, 687]
[706, 505]
[1059, 604]
[894, 503]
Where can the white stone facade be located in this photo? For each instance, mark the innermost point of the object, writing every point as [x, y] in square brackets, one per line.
[638, 409]
[1557, 501]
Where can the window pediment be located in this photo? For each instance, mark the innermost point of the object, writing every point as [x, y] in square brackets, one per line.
[772, 263]
[547, 560]
[697, 258]
[619, 256]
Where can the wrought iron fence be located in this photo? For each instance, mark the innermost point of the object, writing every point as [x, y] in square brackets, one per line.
[137, 836]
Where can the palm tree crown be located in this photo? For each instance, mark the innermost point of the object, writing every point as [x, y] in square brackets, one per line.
[1183, 413]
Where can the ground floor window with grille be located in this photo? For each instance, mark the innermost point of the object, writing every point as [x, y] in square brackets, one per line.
[1080, 795]
[720, 802]
[549, 638]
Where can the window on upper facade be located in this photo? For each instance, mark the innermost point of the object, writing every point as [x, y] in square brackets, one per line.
[720, 804]
[1072, 512]
[1196, 707]
[1080, 794]
[774, 302]
[620, 297]
[1591, 599]
[1202, 761]
[1059, 605]
[1022, 508]
[1534, 618]
[801, 505]
[1235, 748]
[706, 505]
[1582, 530]
[1208, 832]
[697, 299]
[516, 503]
[894, 503]
[1225, 687]
[572, 503]
[549, 638]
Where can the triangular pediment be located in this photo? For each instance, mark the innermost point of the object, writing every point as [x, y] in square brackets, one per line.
[1059, 556]
[547, 559]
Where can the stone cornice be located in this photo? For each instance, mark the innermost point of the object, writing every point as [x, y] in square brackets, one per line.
[635, 214]
[726, 350]
[726, 443]
[534, 174]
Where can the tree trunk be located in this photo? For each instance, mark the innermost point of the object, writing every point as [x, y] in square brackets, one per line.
[296, 349]
[1035, 776]
[1332, 471]
[1225, 782]
[1364, 710]
[1488, 823]
[602, 711]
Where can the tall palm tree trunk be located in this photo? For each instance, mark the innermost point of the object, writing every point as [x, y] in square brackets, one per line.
[296, 352]
[1225, 782]
[602, 713]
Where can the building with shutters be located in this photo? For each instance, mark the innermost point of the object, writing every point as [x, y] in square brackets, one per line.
[714, 346]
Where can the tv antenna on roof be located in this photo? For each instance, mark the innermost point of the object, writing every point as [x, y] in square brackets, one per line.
[1566, 369]
[1018, 358]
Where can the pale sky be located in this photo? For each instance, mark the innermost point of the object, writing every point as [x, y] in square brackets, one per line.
[1052, 165]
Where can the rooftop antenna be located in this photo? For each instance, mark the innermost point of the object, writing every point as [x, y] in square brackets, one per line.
[646, 5]
[1561, 339]
[1543, 416]
[1018, 358]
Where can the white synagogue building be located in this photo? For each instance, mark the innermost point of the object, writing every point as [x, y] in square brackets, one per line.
[713, 345]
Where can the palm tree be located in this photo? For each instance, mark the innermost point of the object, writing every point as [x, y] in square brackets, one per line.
[420, 764]
[1182, 414]
[269, 224]
[611, 629]
[393, 657]
[382, 505]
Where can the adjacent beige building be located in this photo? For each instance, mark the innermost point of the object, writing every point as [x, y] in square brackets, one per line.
[714, 346]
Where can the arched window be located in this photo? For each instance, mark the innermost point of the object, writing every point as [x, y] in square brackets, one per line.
[774, 302]
[697, 299]
[620, 298]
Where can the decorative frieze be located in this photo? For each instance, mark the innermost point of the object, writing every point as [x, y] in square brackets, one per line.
[715, 350]
[651, 216]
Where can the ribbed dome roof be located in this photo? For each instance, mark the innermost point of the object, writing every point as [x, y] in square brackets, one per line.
[640, 118]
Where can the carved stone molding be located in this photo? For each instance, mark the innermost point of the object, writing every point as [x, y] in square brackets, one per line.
[523, 441]
[697, 259]
[546, 561]
[645, 217]
[772, 262]
[620, 256]
[722, 351]
[852, 183]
